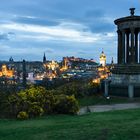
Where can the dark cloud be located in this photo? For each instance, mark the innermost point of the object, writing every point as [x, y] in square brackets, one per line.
[49, 51]
[36, 21]
[6, 36]
[48, 12]
[102, 27]
[94, 13]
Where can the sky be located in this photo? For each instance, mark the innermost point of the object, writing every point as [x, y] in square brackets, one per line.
[58, 28]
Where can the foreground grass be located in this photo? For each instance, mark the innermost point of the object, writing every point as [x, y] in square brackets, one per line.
[100, 100]
[114, 125]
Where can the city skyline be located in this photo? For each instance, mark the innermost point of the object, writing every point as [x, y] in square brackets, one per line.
[80, 28]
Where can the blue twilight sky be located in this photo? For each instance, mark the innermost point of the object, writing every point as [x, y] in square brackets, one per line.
[80, 28]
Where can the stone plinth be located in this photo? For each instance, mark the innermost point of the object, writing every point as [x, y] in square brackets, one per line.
[128, 69]
[126, 74]
[125, 80]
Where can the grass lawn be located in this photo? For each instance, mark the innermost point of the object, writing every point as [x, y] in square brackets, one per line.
[98, 100]
[113, 125]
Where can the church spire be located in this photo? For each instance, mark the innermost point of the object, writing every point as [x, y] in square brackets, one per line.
[102, 51]
[44, 58]
[112, 61]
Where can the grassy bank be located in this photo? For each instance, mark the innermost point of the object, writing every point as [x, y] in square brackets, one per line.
[114, 125]
[100, 100]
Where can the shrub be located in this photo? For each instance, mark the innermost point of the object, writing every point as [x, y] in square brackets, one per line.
[35, 110]
[73, 88]
[31, 100]
[22, 115]
[15, 106]
[37, 101]
[66, 105]
[49, 102]
[93, 88]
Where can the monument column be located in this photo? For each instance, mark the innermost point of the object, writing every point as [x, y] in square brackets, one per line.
[127, 46]
[139, 46]
[123, 47]
[119, 47]
[132, 46]
[136, 46]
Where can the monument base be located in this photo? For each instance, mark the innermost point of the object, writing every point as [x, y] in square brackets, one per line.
[127, 69]
[125, 81]
[123, 91]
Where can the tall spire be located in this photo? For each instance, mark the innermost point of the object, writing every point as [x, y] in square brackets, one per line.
[112, 61]
[44, 58]
[102, 50]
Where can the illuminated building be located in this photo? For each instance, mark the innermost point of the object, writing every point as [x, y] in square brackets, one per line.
[65, 64]
[102, 59]
[103, 71]
[66, 61]
[51, 69]
[96, 80]
[73, 59]
[77, 63]
[6, 72]
[52, 65]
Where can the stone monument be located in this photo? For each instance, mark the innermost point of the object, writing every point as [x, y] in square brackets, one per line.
[125, 80]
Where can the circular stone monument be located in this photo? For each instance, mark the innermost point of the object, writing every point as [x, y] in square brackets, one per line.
[125, 80]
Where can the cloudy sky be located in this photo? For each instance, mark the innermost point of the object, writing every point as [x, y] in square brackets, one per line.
[80, 28]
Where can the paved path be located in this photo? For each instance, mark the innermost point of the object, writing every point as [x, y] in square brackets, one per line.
[103, 108]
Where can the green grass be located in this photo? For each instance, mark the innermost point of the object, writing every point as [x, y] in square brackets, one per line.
[100, 100]
[114, 125]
